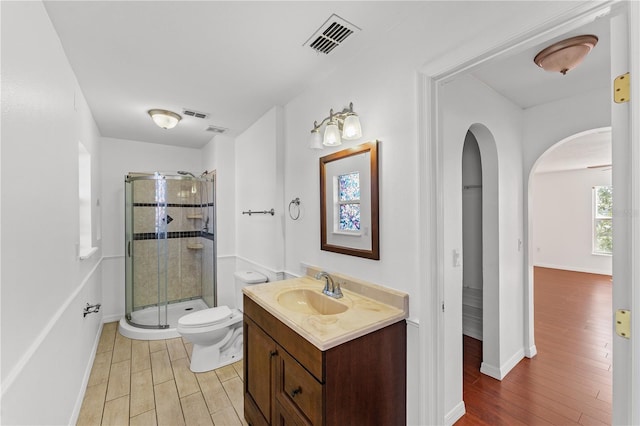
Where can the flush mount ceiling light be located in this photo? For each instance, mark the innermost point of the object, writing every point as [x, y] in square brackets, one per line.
[341, 125]
[163, 118]
[565, 55]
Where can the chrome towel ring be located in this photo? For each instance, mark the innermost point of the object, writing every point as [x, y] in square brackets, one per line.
[295, 203]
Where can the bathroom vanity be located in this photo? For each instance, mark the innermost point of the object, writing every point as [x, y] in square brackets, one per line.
[313, 360]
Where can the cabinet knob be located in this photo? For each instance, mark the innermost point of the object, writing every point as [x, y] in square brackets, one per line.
[273, 353]
[296, 391]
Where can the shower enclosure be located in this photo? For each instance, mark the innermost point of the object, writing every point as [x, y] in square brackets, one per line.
[170, 248]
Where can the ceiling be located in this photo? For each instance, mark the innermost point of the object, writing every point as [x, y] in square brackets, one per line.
[231, 60]
[589, 150]
[518, 78]
[236, 60]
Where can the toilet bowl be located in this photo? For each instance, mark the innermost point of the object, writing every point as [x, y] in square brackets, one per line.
[216, 333]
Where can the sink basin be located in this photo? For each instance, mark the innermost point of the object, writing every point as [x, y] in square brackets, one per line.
[310, 302]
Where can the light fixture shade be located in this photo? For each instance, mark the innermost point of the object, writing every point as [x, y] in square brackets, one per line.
[165, 119]
[332, 135]
[315, 140]
[565, 55]
[351, 128]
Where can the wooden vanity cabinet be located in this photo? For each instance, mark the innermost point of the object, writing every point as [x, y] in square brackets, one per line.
[288, 381]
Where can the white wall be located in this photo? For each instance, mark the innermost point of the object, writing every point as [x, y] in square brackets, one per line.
[562, 220]
[259, 186]
[219, 155]
[547, 124]
[385, 101]
[118, 158]
[46, 341]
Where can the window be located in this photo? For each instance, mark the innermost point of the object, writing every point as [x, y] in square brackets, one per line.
[85, 249]
[602, 220]
[349, 202]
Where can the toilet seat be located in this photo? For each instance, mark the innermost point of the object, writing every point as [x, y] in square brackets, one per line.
[206, 317]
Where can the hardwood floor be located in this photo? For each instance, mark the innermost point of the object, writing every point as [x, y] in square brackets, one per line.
[569, 380]
[136, 382]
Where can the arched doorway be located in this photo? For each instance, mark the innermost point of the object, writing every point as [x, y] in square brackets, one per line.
[481, 256]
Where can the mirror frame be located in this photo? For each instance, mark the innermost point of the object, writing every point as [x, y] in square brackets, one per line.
[372, 252]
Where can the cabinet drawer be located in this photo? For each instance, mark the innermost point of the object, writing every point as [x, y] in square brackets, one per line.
[298, 388]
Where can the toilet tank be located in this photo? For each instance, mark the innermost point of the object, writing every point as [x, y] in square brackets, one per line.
[243, 279]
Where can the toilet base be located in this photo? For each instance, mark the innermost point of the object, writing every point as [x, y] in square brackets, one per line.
[207, 358]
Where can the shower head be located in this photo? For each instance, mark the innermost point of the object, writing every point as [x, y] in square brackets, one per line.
[182, 172]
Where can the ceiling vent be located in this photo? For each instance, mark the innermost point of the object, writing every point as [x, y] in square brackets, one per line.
[331, 34]
[215, 129]
[194, 113]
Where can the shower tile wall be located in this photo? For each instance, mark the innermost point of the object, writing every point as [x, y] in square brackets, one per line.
[183, 254]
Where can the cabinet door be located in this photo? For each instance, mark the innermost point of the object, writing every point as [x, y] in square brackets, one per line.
[297, 391]
[260, 351]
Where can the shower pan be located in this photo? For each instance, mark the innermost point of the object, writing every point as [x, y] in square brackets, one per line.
[170, 251]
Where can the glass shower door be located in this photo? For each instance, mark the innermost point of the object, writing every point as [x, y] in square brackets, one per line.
[162, 220]
[146, 250]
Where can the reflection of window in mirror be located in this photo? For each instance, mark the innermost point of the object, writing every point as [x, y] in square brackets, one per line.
[347, 203]
[602, 220]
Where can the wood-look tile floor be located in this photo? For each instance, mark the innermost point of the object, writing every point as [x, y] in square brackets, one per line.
[569, 381]
[136, 382]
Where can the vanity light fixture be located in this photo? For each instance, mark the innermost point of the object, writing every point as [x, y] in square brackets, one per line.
[163, 118]
[340, 125]
[565, 55]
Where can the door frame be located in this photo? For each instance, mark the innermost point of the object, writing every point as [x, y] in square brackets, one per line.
[431, 211]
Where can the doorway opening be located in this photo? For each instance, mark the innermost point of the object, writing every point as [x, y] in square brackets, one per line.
[571, 215]
[472, 276]
[437, 77]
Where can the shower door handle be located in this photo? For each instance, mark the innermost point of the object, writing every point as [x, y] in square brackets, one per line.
[129, 248]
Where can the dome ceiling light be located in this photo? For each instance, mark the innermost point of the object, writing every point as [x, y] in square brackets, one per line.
[163, 118]
[565, 55]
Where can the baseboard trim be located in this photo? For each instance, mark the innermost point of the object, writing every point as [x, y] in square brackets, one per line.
[531, 351]
[85, 380]
[455, 414]
[112, 318]
[501, 372]
[573, 269]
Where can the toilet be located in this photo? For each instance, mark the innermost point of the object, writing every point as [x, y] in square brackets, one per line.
[216, 333]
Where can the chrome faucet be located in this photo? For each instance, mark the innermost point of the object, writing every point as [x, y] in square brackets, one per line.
[331, 289]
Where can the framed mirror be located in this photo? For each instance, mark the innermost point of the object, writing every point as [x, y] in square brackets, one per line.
[349, 201]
